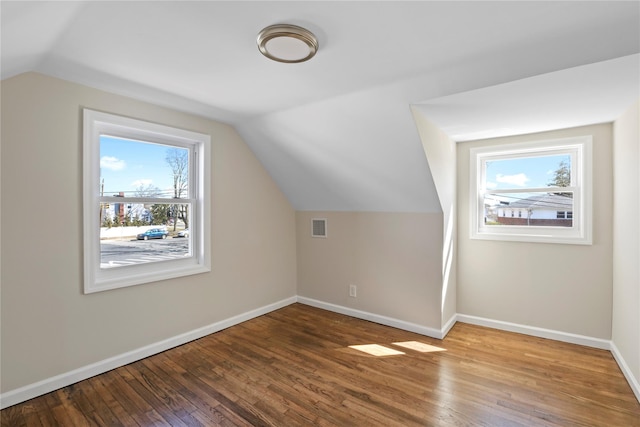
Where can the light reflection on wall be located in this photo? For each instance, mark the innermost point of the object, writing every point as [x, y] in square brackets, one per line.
[447, 257]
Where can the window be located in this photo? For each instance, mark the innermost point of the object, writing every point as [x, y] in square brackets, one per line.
[547, 182]
[146, 202]
[564, 215]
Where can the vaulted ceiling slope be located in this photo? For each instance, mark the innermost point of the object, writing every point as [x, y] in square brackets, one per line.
[336, 133]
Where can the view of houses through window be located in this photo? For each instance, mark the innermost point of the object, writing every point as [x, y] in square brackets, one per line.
[139, 185]
[528, 191]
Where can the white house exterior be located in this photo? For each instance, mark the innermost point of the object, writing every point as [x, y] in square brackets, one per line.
[545, 209]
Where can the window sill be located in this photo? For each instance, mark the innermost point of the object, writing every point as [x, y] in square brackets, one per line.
[515, 235]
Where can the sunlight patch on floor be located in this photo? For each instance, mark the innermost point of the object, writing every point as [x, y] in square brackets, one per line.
[376, 350]
[419, 346]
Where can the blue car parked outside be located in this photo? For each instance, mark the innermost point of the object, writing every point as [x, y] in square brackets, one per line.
[153, 233]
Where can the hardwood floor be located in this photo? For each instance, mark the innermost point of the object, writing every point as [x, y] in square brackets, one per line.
[294, 367]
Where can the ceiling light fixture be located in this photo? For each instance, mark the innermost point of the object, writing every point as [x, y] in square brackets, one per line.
[287, 43]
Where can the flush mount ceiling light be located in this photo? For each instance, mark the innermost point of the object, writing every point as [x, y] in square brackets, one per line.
[287, 43]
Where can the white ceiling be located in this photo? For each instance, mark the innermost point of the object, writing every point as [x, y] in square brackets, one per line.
[336, 133]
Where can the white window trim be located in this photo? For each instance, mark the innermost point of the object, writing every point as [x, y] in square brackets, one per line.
[580, 233]
[97, 279]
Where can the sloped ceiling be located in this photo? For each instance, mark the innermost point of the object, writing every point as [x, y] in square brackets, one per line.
[336, 133]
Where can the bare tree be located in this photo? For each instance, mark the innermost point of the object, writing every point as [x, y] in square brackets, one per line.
[155, 214]
[178, 160]
[148, 191]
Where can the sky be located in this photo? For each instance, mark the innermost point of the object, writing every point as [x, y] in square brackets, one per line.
[125, 165]
[524, 172]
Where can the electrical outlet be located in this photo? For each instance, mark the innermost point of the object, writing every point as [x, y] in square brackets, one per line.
[352, 291]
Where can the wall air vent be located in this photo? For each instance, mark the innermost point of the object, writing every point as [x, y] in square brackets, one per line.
[318, 227]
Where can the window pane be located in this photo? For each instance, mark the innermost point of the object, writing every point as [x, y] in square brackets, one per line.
[136, 233]
[142, 169]
[528, 172]
[529, 209]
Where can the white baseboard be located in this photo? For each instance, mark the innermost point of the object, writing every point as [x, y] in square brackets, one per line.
[449, 324]
[30, 391]
[633, 382]
[536, 332]
[383, 320]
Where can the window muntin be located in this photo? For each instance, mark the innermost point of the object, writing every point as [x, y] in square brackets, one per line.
[144, 185]
[517, 191]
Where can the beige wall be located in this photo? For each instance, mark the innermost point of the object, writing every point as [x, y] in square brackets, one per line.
[626, 239]
[48, 326]
[394, 259]
[566, 288]
[441, 156]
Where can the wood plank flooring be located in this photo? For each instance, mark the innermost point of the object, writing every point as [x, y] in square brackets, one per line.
[294, 367]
